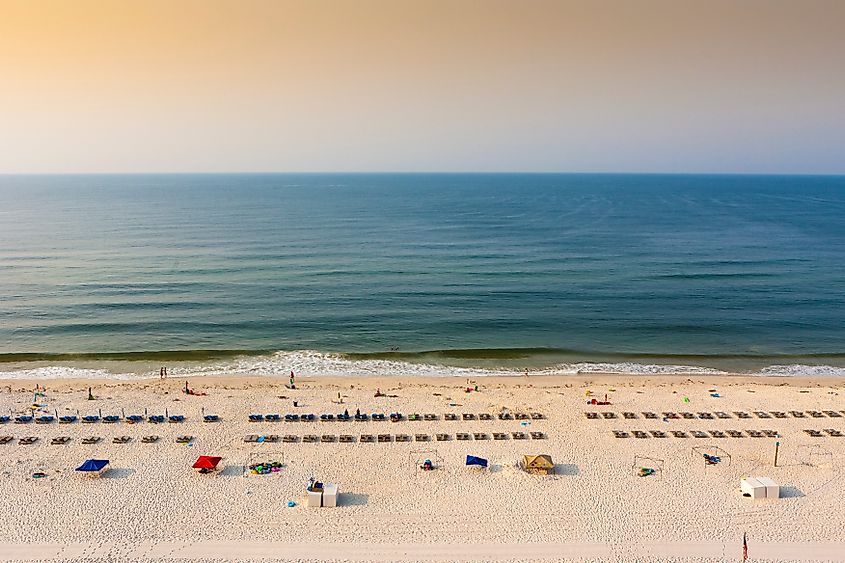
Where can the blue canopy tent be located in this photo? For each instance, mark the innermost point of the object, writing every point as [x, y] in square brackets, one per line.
[93, 465]
[479, 461]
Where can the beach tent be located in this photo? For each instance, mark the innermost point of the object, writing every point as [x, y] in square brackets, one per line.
[759, 487]
[479, 461]
[93, 466]
[206, 462]
[538, 464]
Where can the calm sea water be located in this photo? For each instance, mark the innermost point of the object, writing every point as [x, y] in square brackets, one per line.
[353, 273]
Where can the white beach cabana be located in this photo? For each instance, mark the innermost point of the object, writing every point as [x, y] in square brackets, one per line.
[759, 487]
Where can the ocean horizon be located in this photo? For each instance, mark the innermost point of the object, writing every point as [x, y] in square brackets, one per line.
[421, 274]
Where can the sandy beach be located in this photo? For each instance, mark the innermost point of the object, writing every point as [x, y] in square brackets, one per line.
[151, 505]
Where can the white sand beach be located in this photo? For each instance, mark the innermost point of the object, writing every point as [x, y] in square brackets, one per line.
[152, 506]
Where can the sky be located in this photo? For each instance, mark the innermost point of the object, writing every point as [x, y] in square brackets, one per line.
[737, 86]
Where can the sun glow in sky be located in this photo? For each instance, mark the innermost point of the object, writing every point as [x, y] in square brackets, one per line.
[422, 85]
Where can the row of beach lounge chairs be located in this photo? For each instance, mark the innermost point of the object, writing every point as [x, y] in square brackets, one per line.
[383, 438]
[714, 415]
[695, 433]
[393, 417]
[108, 419]
[89, 440]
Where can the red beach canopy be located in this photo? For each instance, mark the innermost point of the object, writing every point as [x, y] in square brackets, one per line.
[207, 462]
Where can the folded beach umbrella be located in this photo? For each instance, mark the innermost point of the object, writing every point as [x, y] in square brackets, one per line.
[206, 462]
[479, 461]
[92, 465]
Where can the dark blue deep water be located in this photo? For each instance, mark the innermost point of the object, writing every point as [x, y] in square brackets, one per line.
[737, 272]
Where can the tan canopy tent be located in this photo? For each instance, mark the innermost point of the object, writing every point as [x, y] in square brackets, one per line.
[538, 464]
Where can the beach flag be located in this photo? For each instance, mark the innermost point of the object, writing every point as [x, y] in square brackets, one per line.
[744, 548]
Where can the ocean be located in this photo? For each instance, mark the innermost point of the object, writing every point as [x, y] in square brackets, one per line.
[421, 274]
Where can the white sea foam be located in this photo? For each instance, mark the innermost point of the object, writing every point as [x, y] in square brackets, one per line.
[799, 370]
[311, 363]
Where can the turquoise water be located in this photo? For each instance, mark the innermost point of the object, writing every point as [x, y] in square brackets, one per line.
[329, 272]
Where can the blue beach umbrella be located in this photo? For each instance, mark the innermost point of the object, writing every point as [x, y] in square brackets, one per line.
[479, 461]
[93, 465]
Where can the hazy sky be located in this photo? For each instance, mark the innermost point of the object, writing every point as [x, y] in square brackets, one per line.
[422, 85]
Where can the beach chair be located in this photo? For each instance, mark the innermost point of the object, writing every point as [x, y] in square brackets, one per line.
[505, 416]
[134, 419]
[833, 432]
[679, 434]
[500, 436]
[60, 440]
[814, 433]
[25, 419]
[257, 418]
[717, 433]
[292, 417]
[816, 414]
[402, 438]
[778, 414]
[462, 436]
[310, 439]
[755, 433]
[422, 437]
[378, 417]
[271, 438]
[537, 416]
[328, 438]
[184, 439]
[4, 419]
[519, 435]
[705, 415]
[770, 433]
[175, 418]
[650, 415]
[121, 440]
[450, 416]
[110, 419]
[722, 415]
[620, 434]
[798, 414]
[88, 440]
[734, 433]
[480, 436]
[468, 416]
[414, 417]
[485, 416]
[361, 417]
[762, 414]
[28, 440]
[609, 415]
[210, 418]
[658, 433]
[429, 417]
[46, 419]
[742, 414]
[251, 438]
[629, 415]
[6, 439]
[639, 434]
[347, 439]
[537, 435]
[592, 415]
[442, 437]
[699, 434]
[344, 417]
[272, 418]
[521, 416]
[367, 438]
[156, 418]
[290, 439]
[307, 418]
[324, 417]
[832, 414]
[149, 439]
[687, 415]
